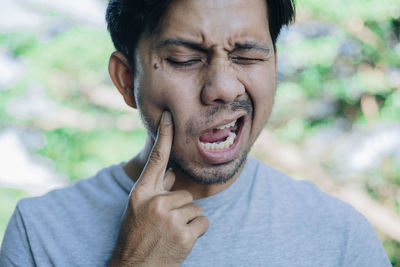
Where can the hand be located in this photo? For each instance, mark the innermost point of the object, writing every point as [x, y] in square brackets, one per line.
[159, 227]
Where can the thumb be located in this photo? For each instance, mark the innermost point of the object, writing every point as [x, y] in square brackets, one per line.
[169, 180]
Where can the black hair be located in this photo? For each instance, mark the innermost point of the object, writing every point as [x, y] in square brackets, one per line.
[127, 20]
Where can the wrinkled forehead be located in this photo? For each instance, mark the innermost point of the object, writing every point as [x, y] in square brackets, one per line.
[216, 22]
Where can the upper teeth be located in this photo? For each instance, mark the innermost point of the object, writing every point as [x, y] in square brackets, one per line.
[231, 124]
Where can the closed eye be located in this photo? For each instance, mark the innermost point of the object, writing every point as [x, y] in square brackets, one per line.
[185, 63]
[245, 60]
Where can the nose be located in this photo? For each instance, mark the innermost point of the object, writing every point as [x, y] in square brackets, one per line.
[221, 85]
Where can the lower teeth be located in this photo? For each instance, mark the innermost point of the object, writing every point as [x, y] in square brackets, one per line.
[220, 145]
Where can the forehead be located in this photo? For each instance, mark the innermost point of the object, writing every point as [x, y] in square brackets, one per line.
[216, 22]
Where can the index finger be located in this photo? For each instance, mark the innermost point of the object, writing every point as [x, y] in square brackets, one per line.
[153, 173]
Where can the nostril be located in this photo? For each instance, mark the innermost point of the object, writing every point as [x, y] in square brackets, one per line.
[219, 101]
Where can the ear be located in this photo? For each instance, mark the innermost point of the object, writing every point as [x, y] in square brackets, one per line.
[122, 76]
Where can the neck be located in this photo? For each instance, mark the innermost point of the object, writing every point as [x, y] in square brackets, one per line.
[135, 166]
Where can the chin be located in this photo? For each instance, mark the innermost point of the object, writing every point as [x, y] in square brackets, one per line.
[209, 174]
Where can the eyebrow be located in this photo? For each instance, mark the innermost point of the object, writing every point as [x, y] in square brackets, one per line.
[197, 46]
[180, 42]
[252, 46]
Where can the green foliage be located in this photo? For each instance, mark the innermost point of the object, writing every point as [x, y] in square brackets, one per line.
[342, 10]
[392, 249]
[339, 67]
[81, 154]
[73, 51]
[390, 111]
[5, 96]
[19, 43]
[344, 62]
[75, 59]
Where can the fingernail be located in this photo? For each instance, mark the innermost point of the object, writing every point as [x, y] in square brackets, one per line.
[167, 118]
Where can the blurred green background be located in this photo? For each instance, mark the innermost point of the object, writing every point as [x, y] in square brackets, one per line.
[336, 119]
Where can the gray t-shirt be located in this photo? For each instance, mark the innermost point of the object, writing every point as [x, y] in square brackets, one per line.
[263, 219]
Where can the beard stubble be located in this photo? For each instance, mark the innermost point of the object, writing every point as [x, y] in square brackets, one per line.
[213, 173]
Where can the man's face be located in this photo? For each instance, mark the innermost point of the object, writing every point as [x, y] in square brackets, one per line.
[212, 65]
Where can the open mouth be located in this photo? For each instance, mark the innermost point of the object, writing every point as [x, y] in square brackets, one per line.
[221, 143]
[222, 137]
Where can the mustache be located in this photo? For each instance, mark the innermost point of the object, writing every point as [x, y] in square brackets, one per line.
[237, 104]
[193, 128]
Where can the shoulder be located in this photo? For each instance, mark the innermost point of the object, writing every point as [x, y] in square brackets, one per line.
[303, 203]
[317, 219]
[301, 194]
[100, 192]
[53, 226]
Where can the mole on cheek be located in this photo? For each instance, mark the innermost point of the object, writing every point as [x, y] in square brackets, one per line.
[156, 66]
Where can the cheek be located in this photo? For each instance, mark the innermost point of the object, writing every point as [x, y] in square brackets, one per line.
[261, 89]
[161, 90]
[265, 95]
[153, 89]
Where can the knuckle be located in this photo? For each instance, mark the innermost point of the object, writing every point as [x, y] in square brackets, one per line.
[156, 157]
[172, 218]
[163, 132]
[157, 206]
[187, 195]
[206, 222]
[136, 195]
[135, 200]
[184, 238]
[200, 209]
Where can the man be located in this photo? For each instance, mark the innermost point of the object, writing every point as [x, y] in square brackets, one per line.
[202, 75]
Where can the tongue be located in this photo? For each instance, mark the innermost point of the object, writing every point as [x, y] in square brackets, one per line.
[215, 135]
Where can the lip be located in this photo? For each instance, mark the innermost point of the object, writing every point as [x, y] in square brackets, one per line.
[225, 155]
[225, 121]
